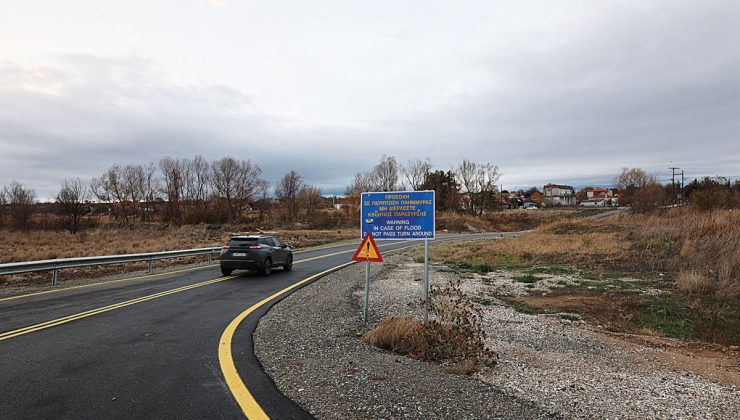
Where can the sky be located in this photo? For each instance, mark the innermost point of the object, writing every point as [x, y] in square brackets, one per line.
[565, 91]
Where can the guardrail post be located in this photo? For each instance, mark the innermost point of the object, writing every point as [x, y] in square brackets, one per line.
[209, 258]
[150, 268]
[54, 276]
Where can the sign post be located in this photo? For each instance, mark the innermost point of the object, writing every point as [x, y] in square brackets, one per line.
[426, 280]
[399, 215]
[367, 251]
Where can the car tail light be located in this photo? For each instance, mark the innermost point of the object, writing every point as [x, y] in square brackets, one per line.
[226, 247]
[255, 247]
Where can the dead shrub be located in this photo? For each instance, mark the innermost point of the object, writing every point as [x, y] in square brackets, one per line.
[693, 283]
[455, 334]
[399, 334]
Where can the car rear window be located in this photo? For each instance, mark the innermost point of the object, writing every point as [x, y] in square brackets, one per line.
[242, 242]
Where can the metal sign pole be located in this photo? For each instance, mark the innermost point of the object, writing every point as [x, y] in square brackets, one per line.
[367, 289]
[367, 284]
[426, 280]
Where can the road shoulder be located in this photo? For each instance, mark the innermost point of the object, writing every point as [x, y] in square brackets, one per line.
[309, 344]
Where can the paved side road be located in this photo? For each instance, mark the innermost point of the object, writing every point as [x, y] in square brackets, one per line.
[145, 348]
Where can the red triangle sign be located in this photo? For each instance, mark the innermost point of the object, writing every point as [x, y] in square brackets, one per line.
[367, 251]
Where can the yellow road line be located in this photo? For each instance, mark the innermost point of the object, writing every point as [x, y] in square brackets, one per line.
[105, 282]
[246, 401]
[59, 321]
[241, 393]
[173, 272]
[74, 317]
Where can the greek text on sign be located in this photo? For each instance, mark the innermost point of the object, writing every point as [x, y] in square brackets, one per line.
[398, 215]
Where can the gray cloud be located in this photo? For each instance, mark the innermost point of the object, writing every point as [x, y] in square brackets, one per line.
[632, 85]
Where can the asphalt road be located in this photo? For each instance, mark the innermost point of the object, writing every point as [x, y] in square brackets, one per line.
[146, 347]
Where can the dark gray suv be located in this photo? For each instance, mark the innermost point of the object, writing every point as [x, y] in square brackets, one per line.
[255, 252]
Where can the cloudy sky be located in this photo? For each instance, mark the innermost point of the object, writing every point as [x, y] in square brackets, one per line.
[564, 91]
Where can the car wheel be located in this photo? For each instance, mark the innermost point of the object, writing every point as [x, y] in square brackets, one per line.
[267, 268]
[226, 271]
[288, 264]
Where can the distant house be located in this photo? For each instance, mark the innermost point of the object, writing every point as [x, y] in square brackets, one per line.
[598, 193]
[605, 195]
[559, 195]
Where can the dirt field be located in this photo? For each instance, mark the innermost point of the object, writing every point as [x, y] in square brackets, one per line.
[689, 261]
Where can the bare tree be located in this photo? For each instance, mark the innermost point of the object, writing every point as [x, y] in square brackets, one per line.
[262, 199]
[467, 176]
[174, 184]
[488, 177]
[140, 188]
[479, 182]
[109, 188]
[3, 206]
[287, 190]
[72, 199]
[634, 178]
[383, 177]
[310, 200]
[21, 204]
[197, 177]
[630, 181]
[360, 183]
[416, 171]
[236, 182]
[150, 189]
[385, 174]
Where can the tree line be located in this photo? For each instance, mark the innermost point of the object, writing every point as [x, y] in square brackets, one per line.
[468, 186]
[175, 191]
[645, 194]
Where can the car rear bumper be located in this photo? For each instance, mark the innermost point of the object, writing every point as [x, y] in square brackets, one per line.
[241, 264]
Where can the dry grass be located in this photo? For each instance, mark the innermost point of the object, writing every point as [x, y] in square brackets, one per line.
[17, 246]
[39, 245]
[506, 221]
[681, 240]
[693, 283]
[399, 334]
[699, 251]
[454, 335]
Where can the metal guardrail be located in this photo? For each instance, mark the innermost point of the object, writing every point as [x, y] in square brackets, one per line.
[55, 265]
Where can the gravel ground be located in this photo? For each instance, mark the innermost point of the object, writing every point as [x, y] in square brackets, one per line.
[310, 345]
[548, 365]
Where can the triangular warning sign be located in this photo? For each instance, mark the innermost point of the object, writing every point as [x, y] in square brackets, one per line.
[368, 251]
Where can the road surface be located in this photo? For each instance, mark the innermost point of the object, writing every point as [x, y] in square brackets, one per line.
[150, 347]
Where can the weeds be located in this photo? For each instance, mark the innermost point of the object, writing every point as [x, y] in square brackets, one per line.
[528, 309]
[455, 334]
[697, 255]
[527, 278]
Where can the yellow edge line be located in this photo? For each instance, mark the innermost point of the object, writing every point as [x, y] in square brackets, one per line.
[105, 282]
[69, 318]
[165, 273]
[74, 317]
[241, 393]
[246, 401]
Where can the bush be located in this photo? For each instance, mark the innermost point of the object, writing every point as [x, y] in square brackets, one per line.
[693, 283]
[454, 335]
[648, 198]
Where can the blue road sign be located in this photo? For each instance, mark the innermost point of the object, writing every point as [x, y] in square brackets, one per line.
[398, 215]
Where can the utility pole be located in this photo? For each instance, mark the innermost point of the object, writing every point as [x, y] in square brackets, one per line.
[682, 197]
[673, 184]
